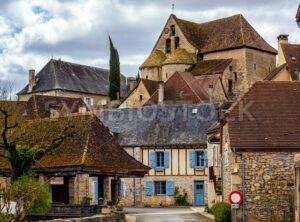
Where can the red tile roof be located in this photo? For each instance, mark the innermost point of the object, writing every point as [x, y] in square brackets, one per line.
[207, 67]
[222, 34]
[271, 117]
[181, 88]
[292, 56]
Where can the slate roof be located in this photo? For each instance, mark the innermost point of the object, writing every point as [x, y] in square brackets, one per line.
[222, 34]
[155, 59]
[181, 88]
[274, 123]
[161, 125]
[89, 146]
[292, 56]
[208, 67]
[66, 76]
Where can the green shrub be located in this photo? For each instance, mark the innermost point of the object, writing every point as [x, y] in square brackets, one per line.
[222, 212]
[181, 198]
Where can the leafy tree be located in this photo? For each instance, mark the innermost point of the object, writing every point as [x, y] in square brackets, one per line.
[29, 195]
[114, 72]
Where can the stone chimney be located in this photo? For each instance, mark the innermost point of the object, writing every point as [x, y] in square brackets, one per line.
[31, 79]
[282, 39]
[132, 82]
[161, 92]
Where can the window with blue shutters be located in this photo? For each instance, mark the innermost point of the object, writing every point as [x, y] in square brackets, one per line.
[170, 188]
[198, 158]
[160, 188]
[160, 159]
[149, 188]
[122, 191]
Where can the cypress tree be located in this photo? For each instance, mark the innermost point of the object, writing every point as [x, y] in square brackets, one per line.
[114, 72]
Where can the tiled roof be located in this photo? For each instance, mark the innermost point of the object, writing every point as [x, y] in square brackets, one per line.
[266, 117]
[208, 67]
[156, 58]
[292, 56]
[181, 88]
[89, 145]
[161, 125]
[272, 74]
[180, 56]
[67, 76]
[226, 33]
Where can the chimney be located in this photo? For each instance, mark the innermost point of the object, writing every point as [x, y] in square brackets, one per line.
[132, 82]
[31, 77]
[282, 39]
[210, 92]
[160, 92]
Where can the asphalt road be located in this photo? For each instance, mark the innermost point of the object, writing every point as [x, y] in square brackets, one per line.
[166, 215]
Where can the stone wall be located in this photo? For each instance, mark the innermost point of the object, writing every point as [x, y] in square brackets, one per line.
[153, 73]
[170, 69]
[269, 181]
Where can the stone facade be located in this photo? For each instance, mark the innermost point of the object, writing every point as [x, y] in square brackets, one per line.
[98, 100]
[169, 69]
[153, 73]
[268, 181]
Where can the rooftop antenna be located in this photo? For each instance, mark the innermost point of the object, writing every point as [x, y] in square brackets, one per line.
[173, 8]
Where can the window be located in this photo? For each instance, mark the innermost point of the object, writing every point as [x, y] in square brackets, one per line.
[141, 97]
[254, 66]
[172, 30]
[177, 42]
[199, 57]
[230, 68]
[160, 188]
[230, 85]
[88, 101]
[160, 159]
[146, 77]
[200, 159]
[235, 76]
[168, 45]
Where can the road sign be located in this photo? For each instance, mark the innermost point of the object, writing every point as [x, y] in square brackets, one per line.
[235, 197]
[235, 206]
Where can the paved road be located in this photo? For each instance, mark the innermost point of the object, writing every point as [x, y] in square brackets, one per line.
[165, 215]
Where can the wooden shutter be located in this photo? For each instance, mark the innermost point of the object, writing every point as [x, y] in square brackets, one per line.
[170, 188]
[205, 158]
[192, 158]
[149, 188]
[166, 159]
[153, 163]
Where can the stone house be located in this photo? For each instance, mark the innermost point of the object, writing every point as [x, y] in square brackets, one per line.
[288, 67]
[65, 79]
[171, 140]
[259, 137]
[85, 167]
[139, 94]
[183, 44]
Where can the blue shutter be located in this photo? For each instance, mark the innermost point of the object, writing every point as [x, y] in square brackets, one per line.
[96, 191]
[192, 158]
[167, 159]
[153, 159]
[122, 189]
[205, 158]
[170, 188]
[149, 189]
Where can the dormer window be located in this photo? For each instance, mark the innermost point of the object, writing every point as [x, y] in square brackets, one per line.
[168, 45]
[177, 42]
[173, 30]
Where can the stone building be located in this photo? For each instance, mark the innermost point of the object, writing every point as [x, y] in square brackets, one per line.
[140, 94]
[288, 67]
[82, 169]
[183, 44]
[259, 137]
[65, 79]
[171, 140]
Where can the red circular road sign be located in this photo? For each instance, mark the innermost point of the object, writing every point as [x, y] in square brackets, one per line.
[235, 197]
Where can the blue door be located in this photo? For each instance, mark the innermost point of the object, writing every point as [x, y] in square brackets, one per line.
[96, 191]
[199, 192]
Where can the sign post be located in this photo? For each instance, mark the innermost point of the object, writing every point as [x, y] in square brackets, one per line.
[235, 198]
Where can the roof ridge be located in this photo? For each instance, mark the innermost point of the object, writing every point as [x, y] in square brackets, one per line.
[78, 64]
[242, 30]
[85, 150]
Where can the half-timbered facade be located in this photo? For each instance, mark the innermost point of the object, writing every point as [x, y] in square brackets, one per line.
[171, 140]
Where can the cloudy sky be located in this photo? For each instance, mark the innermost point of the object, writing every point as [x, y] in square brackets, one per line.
[33, 31]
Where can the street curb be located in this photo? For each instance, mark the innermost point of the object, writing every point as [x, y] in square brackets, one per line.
[207, 215]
